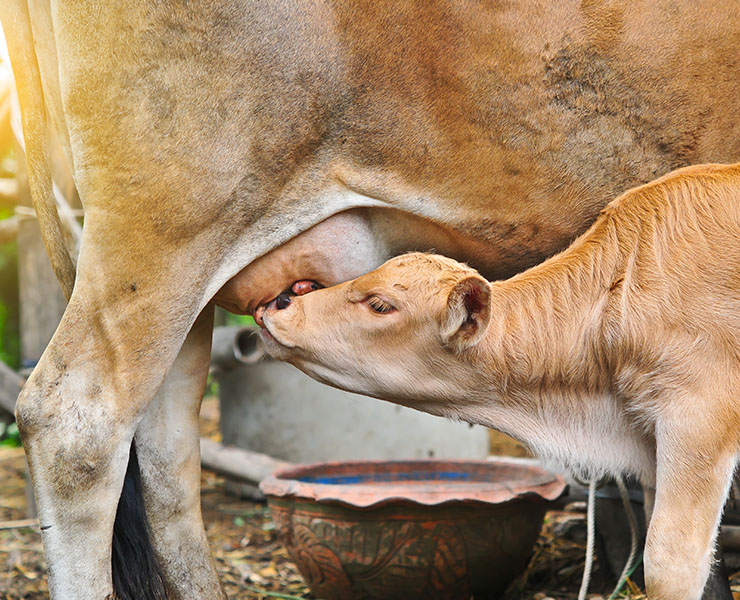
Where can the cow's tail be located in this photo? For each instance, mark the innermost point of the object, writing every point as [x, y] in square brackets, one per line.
[136, 572]
[19, 37]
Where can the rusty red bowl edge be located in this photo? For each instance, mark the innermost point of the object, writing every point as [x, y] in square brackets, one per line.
[547, 487]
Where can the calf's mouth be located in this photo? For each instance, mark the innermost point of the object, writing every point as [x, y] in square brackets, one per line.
[283, 300]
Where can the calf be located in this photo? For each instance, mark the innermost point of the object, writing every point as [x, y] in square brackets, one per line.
[618, 355]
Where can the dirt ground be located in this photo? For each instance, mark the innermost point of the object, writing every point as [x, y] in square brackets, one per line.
[251, 561]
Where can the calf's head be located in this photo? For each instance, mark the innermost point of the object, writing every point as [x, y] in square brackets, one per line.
[400, 332]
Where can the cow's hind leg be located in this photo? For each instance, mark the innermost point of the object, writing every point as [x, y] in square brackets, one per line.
[77, 435]
[80, 409]
[169, 456]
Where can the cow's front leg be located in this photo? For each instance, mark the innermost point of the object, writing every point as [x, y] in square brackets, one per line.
[167, 442]
[693, 477]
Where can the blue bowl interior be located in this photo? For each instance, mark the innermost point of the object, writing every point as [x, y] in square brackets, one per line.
[419, 476]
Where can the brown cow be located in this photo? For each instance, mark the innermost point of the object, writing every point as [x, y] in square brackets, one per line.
[621, 354]
[226, 149]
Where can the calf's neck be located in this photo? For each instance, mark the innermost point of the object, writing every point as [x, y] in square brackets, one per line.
[619, 355]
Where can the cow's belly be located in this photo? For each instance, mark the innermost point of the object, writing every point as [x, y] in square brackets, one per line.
[343, 247]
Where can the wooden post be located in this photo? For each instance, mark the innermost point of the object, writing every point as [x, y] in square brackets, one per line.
[10, 385]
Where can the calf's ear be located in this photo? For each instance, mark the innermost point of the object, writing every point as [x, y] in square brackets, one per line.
[467, 314]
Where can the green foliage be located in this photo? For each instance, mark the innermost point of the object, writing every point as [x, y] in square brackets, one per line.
[241, 320]
[212, 388]
[10, 346]
[9, 436]
[9, 310]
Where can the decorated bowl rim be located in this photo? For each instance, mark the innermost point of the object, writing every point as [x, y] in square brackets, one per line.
[535, 485]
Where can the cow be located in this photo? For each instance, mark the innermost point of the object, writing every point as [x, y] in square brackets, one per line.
[224, 150]
[619, 355]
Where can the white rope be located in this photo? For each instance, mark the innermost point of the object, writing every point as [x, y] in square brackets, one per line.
[590, 538]
[632, 520]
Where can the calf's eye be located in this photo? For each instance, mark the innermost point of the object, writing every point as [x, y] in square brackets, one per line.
[379, 305]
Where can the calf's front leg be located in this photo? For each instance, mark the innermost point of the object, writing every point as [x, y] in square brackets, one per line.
[693, 477]
[717, 586]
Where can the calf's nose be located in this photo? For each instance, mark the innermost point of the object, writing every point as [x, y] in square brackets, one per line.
[283, 301]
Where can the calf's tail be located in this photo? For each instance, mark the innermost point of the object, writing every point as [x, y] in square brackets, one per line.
[137, 574]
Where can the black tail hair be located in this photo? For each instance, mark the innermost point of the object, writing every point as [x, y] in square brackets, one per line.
[137, 574]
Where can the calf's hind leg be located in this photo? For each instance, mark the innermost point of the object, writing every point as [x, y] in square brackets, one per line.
[167, 442]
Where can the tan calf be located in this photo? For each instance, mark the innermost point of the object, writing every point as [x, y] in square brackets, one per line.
[619, 355]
